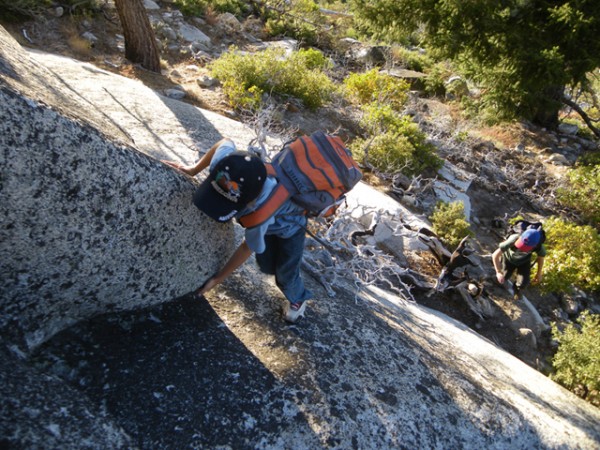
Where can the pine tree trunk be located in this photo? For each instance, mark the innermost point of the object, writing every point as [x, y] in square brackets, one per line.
[549, 106]
[140, 44]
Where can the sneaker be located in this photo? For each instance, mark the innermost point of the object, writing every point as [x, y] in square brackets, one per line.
[293, 311]
[517, 293]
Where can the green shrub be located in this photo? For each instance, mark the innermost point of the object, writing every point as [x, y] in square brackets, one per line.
[16, 10]
[191, 8]
[513, 220]
[397, 145]
[573, 257]
[435, 82]
[300, 19]
[196, 8]
[583, 192]
[449, 223]
[379, 118]
[246, 77]
[368, 28]
[313, 59]
[577, 360]
[411, 59]
[373, 86]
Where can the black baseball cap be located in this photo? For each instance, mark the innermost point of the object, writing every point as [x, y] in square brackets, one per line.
[234, 181]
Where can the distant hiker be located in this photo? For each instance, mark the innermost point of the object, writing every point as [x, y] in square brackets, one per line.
[515, 253]
[242, 186]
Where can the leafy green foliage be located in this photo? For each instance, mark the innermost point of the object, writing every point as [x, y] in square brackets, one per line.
[577, 360]
[521, 53]
[449, 223]
[300, 19]
[411, 59]
[369, 21]
[373, 86]
[583, 192]
[435, 81]
[397, 144]
[513, 220]
[246, 78]
[196, 8]
[15, 10]
[313, 59]
[573, 256]
[401, 151]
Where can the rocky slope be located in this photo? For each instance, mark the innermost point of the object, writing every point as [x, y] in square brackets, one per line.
[226, 371]
[504, 171]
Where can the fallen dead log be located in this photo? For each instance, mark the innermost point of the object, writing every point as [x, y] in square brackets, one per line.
[540, 325]
[472, 295]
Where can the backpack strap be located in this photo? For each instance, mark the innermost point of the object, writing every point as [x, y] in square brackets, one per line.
[276, 198]
[270, 170]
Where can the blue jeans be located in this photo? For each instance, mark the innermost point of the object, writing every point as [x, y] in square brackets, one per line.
[282, 258]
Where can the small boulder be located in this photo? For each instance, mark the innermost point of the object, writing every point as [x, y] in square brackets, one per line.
[528, 336]
[558, 160]
[188, 33]
[176, 94]
[207, 82]
[568, 128]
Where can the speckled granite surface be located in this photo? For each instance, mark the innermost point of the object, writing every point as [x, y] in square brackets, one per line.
[97, 239]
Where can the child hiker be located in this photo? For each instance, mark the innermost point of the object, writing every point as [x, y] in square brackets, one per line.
[238, 184]
[515, 253]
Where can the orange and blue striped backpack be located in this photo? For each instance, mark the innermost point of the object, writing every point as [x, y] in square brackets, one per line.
[313, 171]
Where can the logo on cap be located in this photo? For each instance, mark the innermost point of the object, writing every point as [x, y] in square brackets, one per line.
[226, 187]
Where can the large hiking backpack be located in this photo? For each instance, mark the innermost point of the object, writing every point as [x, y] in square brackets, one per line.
[315, 171]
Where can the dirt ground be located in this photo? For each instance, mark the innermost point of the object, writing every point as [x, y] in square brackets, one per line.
[62, 36]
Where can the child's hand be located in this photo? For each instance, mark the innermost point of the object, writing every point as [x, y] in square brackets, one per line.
[182, 168]
[207, 286]
[500, 277]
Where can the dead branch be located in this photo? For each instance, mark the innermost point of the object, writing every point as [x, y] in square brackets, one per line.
[264, 124]
[339, 255]
[582, 113]
[462, 289]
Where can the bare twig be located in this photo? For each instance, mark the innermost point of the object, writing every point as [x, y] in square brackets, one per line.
[336, 256]
[583, 115]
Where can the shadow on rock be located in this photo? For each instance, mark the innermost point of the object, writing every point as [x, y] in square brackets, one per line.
[173, 377]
